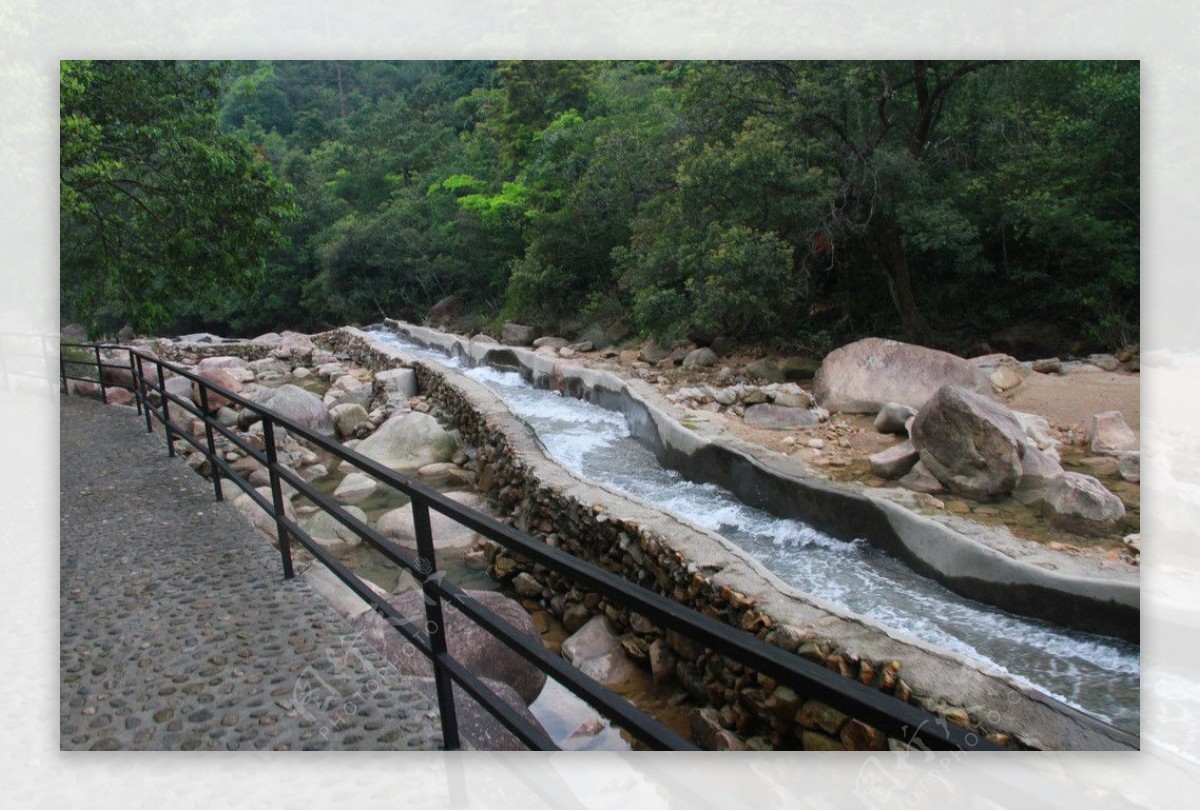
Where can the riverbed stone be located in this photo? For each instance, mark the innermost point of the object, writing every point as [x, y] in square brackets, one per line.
[297, 405]
[408, 442]
[971, 443]
[894, 462]
[780, 418]
[263, 521]
[893, 418]
[355, 487]
[863, 376]
[447, 533]
[475, 648]
[598, 653]
[1038, 470]
[920, 480]
[700, 358]
[332, 533]
[1080, 503]
[514, 334]
[1111, 434]
[217, 377]
[765, 369]
[348, 417]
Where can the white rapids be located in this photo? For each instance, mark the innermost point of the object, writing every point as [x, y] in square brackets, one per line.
[1095, 673]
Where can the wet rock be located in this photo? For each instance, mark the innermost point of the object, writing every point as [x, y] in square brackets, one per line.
[972, 444]
[1080, 503]
[863, 376]
[1111, 434]
[780, 418]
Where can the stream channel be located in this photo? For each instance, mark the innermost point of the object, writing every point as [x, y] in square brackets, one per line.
[1097, 674]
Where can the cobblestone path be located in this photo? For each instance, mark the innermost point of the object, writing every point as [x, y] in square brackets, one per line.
[177, 629]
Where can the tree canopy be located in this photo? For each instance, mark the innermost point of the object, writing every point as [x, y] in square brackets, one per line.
[793, 204]
[157, 205]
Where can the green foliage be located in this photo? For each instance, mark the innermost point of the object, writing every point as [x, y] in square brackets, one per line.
[156, 204]
[795, 204]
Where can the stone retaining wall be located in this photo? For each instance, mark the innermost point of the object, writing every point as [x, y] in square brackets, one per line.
[707, 573]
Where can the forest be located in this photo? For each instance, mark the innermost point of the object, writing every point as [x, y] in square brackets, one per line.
[789, 205]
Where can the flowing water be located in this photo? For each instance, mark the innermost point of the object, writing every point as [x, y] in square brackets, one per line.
[1096, 673]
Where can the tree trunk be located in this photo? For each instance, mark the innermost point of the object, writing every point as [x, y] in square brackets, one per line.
[892, 259]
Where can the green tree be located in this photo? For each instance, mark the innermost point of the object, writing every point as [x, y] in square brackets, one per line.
[157, 206]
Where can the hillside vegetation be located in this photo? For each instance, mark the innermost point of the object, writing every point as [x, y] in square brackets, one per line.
[793, 205]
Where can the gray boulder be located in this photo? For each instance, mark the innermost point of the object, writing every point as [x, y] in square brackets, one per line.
[1080, 503]
[396, 386]
[348, 417]
[332, 533]
[1038, 470]
[894, 462]
[478, 728]
[972, 444]
[893, 418]
[218, 377]
[652, 353]
[355, 487]
[516, 335]
[297, 405]
[780, 418]
[700, 358]
[447, 533]
[920, 480]
[409, 442]
[863, 376]
[479, 652]
[551, 341]
[765, 370]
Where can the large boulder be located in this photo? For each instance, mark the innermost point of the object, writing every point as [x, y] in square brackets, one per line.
[262, 520]
[294, 346]
[446, 309]
[349, 417]
[221, 362]
[447, 533]
[218, 377]
[1111, 435]
[297, 405]
[765, 369]
[478, 728]
[479, 652]
[971, 443]
[1080, 503]
[409, 442]
[1038, 470]
[331, 533]
[355, 488]
[700, 358]
[864, 376]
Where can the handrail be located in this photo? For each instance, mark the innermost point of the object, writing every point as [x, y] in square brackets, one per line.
[893, 717]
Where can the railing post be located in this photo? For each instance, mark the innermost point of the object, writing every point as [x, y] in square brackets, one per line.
[285, 546]
[62, 368]
[140, 379]
[162, 387]
[435, 626]
[137, 395]
[212, 445]
[100, 374]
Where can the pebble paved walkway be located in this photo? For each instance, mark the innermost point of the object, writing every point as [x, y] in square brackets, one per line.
[177, 629]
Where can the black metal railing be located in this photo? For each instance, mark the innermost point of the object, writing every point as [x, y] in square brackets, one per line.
[893, 717]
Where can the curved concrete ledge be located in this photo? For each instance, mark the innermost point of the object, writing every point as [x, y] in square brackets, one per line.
[942, 677]
[1044, 585]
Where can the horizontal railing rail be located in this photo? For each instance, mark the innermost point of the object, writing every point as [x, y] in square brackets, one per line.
[893, 717]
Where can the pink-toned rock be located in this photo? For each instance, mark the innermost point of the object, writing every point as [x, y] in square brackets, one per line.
[863, 376]
[218, 377]
[1111, 435]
